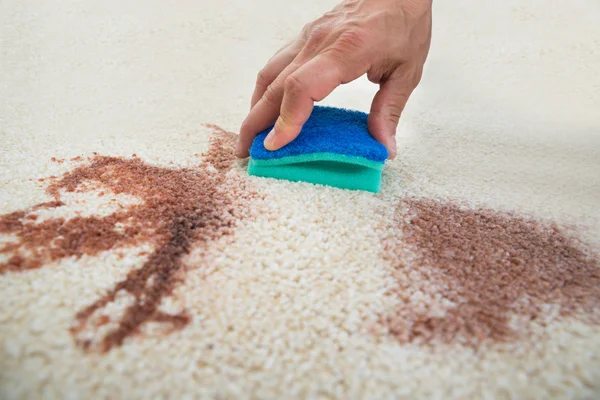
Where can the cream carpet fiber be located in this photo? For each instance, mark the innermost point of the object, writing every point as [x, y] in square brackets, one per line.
[138, 260]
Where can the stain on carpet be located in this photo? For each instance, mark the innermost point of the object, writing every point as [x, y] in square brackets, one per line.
[179, 209]
[473, 276]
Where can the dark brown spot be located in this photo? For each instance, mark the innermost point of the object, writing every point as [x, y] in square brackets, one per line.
[48, 204]
[12, 222]
[180, 208]
[489, 267]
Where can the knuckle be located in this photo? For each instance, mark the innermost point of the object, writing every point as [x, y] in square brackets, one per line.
[373, 77]
[418, 74]
[293, 85]
[271, 94]
[347, 51]
[378, 73]
[351, 38]
[316, 36]
[263, 78]
[393, 114]
[319, 32]
[305, 32]
[394, 110]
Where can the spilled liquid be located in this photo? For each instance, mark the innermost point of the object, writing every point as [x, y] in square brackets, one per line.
[481, 275]
[179, 209]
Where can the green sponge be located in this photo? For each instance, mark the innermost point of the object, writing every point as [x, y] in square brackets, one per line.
[334, 148]
[330, 169]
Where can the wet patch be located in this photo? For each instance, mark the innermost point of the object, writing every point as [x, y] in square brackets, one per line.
[179, 209]
[474, 276]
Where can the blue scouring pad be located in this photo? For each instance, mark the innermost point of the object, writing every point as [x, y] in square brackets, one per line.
[334, 148]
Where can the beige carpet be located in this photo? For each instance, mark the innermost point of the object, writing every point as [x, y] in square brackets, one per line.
[138, 260]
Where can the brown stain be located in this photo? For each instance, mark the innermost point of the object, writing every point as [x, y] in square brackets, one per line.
[490, 266]
[180, 209]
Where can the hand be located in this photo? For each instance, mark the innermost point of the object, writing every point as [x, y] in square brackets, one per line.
[387, 39]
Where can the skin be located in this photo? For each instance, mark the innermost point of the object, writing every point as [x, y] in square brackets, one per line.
[386, 39]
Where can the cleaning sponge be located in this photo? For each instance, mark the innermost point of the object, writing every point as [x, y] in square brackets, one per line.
[334, 148]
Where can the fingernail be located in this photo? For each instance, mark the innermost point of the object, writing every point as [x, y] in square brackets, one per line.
[238, 149]
[269, 140]
[392, 146]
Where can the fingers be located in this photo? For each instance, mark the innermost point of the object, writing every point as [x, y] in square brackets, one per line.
[387, 106]
[265, 111]
[271, 71]
[312, 82]
[323, 62]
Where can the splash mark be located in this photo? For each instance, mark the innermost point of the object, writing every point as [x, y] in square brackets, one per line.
[179, 209]
[473, 270]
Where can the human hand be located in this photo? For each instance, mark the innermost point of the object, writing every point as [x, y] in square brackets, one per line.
[386, 39]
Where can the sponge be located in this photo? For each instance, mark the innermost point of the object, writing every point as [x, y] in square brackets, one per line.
[334, 148]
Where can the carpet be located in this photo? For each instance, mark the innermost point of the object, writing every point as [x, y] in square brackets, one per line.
[139, 260]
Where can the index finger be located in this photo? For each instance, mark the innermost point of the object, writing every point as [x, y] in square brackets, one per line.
[274, 67]
[265, 111]
[312, 82]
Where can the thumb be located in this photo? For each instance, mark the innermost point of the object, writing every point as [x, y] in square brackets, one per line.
[386, 108]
